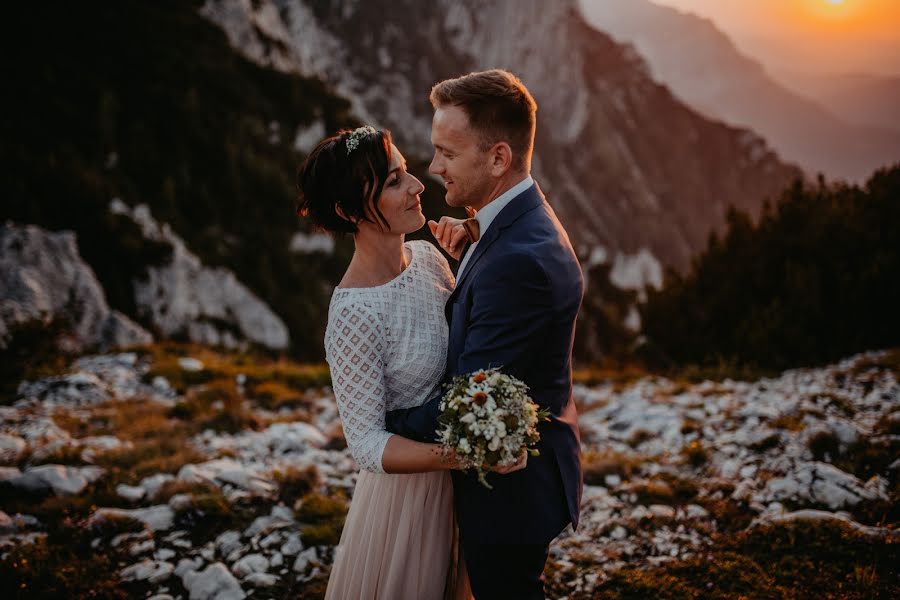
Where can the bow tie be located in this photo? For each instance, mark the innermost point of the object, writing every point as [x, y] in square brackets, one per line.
[473, 231]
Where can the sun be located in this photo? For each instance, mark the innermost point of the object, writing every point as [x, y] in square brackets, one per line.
[835, 2]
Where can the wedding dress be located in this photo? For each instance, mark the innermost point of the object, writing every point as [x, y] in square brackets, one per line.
[386, 347]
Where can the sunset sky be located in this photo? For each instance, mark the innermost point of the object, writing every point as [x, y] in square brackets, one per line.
[810, 36]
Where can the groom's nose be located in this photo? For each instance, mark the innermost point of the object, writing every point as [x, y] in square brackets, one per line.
[436, 167]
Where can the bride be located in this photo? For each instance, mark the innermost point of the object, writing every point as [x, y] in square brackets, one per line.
[386, 345]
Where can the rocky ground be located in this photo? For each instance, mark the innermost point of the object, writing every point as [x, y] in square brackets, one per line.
[178, 472]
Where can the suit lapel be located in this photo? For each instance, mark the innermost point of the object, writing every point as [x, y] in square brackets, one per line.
[518, 206]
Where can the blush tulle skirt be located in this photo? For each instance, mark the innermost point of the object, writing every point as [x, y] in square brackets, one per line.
[399, 541]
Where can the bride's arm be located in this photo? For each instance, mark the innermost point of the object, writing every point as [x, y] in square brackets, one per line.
[354, 346]
[406, 456]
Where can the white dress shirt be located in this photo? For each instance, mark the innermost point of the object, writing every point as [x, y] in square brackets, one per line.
[486, 216]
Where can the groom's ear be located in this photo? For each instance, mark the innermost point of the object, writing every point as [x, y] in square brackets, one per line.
[501, 159]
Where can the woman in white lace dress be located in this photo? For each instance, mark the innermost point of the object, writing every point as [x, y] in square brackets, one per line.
[386, 345]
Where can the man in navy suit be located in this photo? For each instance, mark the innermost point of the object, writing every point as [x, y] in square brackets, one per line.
[518, 290]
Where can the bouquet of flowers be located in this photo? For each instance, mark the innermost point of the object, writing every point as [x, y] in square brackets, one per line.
[488, 419]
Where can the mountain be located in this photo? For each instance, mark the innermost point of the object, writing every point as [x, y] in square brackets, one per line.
[859, 98]
[703, 68]
[625, 164]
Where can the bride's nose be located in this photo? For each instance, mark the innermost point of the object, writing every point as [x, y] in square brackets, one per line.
[416, 186]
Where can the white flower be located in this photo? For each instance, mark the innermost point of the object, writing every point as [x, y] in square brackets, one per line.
[469, 417]
[494, 444]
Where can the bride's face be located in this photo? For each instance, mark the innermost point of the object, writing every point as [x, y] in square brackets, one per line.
[399, 202]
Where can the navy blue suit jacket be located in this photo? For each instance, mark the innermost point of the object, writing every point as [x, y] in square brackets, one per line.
[514, 307]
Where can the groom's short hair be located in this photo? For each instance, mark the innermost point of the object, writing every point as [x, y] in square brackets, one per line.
[499, 108]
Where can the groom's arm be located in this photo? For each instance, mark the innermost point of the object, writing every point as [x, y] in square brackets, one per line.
[417, 423]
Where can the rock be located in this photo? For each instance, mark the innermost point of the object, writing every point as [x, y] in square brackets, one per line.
[270, 540]
[226, 470]
[228, 542]
[293, 545]
[187, 564]
[276, 560]
[148, 570]
[821, 515]
[142, 547]
[42, 276]
[695, 511]
[252, 563]
[156, 518]
[261, 579]
[164, 554]
[75, 389]
[213, 583]
[304, 559]
[618, 533]
[96, 444]
[190, 364]
[7, 473]
[662, 511]
[186, 297]
[161, 597]
[819, 483]
[264, 525]
[57, 479]
[12, 448]
[130, 492]
[153, 483]
[181, 502]
[7, 525]
[612, 480]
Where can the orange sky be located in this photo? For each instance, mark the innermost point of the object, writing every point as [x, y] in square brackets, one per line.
[813, 36]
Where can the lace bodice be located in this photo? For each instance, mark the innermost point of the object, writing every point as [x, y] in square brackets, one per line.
[386, 347]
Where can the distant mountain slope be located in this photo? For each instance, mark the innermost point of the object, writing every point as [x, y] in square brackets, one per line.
[625, 164]
[702, 67]
[861, 98]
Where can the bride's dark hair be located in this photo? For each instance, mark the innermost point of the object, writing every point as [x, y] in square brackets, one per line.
[336, 175]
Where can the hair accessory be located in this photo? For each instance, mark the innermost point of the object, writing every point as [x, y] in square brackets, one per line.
[358, 134]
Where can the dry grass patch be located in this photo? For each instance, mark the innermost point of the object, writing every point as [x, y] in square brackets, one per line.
[323, 518]
[294, 483]
[596, 465]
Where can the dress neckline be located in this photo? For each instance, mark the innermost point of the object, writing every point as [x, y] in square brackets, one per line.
[409, 264]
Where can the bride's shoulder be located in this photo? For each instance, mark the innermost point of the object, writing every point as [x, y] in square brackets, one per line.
[431, 255]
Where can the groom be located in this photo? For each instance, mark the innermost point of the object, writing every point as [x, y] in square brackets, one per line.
[518, 289]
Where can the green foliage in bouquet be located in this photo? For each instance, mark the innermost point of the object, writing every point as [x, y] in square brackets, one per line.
[489, 420]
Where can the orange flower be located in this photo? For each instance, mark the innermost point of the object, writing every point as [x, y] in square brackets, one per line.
[479, 377]
[479, 398]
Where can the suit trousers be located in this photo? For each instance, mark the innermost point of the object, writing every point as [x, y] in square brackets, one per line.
[504, 571]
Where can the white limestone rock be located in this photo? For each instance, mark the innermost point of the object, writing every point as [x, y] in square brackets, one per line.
[252, 563]
[186, 297]
[213, 583]
[12, 448]
[156, 518]
[818, 483]
[56, 479]
[43, 276]
[148, 570]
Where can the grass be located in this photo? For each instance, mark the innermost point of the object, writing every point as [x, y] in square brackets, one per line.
[295, 483]
[257, 369]
[794, 560]
[323, 518]
[596, 465]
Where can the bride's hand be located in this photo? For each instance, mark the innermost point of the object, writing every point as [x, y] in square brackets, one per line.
[450, 234]
[517, 466]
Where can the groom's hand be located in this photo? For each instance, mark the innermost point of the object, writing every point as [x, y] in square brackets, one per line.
[450, 234]
[518, 466]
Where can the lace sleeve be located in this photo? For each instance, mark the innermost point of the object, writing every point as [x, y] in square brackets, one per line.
[355, 349]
